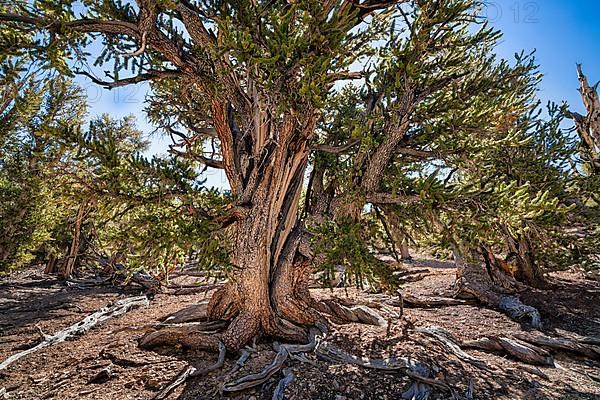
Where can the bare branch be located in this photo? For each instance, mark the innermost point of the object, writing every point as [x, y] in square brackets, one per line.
[423, 154]
[386, 198]
[336, 149]
[151, 75]
[209, 162]
[141, 49]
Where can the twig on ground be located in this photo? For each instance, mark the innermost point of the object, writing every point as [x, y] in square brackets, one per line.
[178, 380]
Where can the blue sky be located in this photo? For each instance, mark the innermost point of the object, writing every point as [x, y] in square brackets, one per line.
[563, 32]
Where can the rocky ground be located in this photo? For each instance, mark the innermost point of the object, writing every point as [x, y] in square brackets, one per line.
[106, 363]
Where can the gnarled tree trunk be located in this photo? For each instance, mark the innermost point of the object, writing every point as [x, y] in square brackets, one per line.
[265, 292]
[588, 127]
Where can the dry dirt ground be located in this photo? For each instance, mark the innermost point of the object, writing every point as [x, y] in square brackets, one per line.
[31, 303]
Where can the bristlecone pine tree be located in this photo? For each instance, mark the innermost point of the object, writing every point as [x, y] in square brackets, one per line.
[386, 106]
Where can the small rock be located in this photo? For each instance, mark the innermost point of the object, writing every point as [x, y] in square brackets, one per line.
[103, 376]
[153, 384]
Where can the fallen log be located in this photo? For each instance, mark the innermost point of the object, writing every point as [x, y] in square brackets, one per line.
[410, 301]
[561, 344]
[118, 308]
[524, 352]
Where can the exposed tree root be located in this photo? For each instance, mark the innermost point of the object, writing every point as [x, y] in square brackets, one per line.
[250, 381]
[288, 377]
[241, 361]
[118, 308]
[342, 314]
[517, 349]
[194, 335]
[196, 312]
[189, 372]
[283, 352]
[216, 365]
[178, 380]
[334, 354]
[420, 389]
[451, 344]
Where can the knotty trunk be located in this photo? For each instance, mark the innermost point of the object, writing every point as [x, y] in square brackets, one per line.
[266, 294]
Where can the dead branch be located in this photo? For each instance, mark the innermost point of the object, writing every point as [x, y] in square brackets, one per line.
[178, 380]
[452, 344]
[521, 351]
[562, 344]
[118, 308]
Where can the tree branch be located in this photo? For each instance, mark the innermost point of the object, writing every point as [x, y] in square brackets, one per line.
[336, 149]
[423, 154]
[386, 198]
[151, 75]
[209, 162]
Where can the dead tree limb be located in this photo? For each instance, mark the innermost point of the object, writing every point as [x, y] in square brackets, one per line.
[517, 349]
[452, 345]
[561, 344]
[178, 380]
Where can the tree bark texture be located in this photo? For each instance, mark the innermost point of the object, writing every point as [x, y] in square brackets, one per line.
[588, 127]
[267, 292]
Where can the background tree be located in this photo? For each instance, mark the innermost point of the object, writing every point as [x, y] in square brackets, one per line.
[30, 209]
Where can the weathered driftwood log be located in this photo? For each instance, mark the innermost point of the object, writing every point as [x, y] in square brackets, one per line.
[474, 282]
[562, 344]
[111, 311]
[452, 345]
[522, 351]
